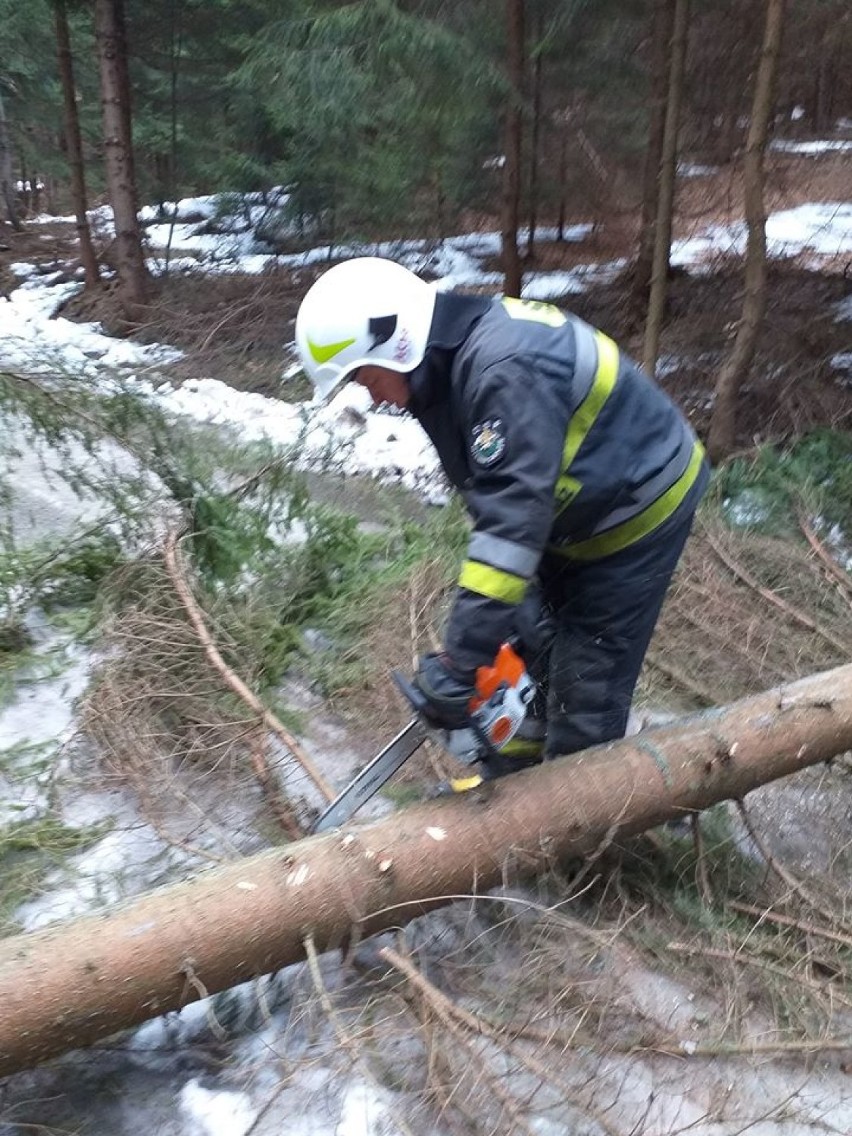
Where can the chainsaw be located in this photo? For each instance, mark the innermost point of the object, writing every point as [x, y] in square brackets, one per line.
[503, 691]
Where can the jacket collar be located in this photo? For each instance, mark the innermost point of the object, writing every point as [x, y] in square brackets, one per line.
[454, 316]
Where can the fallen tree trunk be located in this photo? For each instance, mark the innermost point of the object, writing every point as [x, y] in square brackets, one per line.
[68, 986]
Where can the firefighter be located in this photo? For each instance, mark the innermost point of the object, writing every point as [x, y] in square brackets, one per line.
[580, 475]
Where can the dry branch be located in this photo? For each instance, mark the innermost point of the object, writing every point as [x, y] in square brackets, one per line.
[279, 807]
[761, 914]
[773, 598]
[68, 986]
[347, 1042]
[786, 877]
[838, 573]
[716, 954]
[236, 684]
[457, 1021]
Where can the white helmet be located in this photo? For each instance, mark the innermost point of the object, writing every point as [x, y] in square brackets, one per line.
[366, 310]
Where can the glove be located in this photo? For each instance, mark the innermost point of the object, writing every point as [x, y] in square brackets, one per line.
[535, 625]
[446, 690]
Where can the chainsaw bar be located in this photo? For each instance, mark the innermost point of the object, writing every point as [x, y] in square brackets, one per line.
[371, 778]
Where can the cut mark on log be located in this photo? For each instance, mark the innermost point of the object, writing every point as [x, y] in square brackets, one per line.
[298, 876]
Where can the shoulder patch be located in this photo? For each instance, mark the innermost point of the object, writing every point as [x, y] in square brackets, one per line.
[488, 442]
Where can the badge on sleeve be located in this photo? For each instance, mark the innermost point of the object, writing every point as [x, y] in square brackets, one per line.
[488, 442]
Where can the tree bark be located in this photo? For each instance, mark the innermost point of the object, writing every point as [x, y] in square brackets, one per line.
[67, 987]
[667, 179]
[512, 134]
[74, 145]
[118, 154]
[535, 134]
[661, 37]
[722, 434]
[563, 174]
[7, 176]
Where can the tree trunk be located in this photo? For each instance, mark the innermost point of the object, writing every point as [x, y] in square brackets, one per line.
[563, 175]
[74, 145]
[7, 176]
[535, 133]
[723, 421]
[118, 154]
[512, 135]
[661, 37]
[667, 179]
[68, 987]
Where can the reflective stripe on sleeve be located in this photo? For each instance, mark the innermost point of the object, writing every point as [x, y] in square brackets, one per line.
[507, 555]
[492, 583]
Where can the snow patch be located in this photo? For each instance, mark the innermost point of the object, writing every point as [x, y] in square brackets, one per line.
[825, 146]
[216, 1112]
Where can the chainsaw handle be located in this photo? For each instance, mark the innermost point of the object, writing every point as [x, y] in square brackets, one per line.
[419, 702]
[506, 670]
[420, 705]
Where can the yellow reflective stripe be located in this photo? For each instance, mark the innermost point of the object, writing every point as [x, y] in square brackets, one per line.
[492, 582]
[567, 488]
[583, 419]
[523, 747]
[534, 310]
[605, 543]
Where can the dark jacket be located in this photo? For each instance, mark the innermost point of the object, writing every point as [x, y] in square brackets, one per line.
[557, 442]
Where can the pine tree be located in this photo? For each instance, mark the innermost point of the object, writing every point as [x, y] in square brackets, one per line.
[118, 151]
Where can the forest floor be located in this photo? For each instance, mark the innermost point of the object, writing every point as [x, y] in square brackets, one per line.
[232, 327]
[654, 951]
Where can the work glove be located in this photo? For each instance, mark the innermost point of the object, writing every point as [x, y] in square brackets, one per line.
[535, 625]
[446, 690]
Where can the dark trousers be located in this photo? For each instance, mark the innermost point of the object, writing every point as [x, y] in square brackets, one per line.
[605, 614]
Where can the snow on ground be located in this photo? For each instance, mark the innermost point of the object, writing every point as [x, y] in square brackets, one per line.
[346, 433]
[829, 146]
[36, 723]
[32, 339]
[820, 229]
[215, 1112]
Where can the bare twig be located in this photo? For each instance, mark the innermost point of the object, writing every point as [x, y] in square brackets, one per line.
[702, 878]
[344, 1038]
[834, 569]
[784, 874]
[675, 1047]
[447, 1010]
[743, 959]
[679, 677]
[772, 597]
[787, 921]
[456, 1020]
[236, 684]
[279, 807]
[191, 981]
